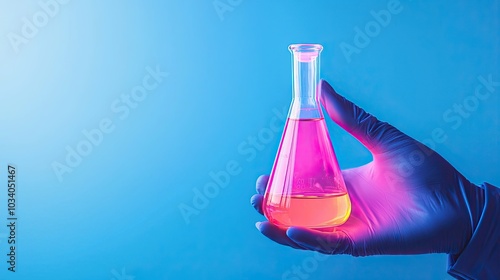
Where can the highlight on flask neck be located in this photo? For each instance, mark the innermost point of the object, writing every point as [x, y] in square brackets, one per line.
[305, 80]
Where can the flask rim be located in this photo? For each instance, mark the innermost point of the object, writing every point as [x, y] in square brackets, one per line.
[305, 47]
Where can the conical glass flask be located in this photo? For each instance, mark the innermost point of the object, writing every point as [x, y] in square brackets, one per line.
[306, 187]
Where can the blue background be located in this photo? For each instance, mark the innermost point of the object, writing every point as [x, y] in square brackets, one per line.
[116, 215]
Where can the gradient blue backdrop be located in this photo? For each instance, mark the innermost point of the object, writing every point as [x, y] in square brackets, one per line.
[117, 213]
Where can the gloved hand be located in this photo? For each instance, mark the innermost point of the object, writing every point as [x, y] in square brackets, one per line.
[408, 200]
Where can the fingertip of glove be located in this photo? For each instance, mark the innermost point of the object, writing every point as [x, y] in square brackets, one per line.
[325, 87]
[267, 228]
[257, 225]
[262, 179]
[323, 83]
[297, 233]
[261, 183]
[328, 95]
[256, 201]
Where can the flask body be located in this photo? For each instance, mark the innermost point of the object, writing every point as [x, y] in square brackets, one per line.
[306, 187]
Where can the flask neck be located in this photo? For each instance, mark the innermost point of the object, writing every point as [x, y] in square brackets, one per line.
[305, 104]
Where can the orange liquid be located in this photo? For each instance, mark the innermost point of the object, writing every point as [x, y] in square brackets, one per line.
[311, 211]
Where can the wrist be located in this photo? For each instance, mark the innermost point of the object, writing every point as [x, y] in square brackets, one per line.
[475, 201]
[479, 258]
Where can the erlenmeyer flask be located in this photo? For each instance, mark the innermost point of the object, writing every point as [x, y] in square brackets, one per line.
[306, 187]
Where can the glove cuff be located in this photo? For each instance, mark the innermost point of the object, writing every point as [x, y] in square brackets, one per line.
[479, 259]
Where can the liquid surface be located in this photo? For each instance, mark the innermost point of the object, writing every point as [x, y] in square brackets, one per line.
[311, 211]
[306, 187]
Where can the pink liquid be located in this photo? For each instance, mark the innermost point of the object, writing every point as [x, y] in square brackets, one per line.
[306, 187]
[309, 210]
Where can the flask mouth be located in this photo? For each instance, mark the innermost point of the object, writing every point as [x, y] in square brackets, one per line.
[305, 52]
[305, 48]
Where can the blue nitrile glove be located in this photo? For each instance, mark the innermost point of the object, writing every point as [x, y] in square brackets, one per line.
[408, 200]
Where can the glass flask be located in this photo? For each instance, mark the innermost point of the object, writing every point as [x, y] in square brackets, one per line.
[306, 187]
